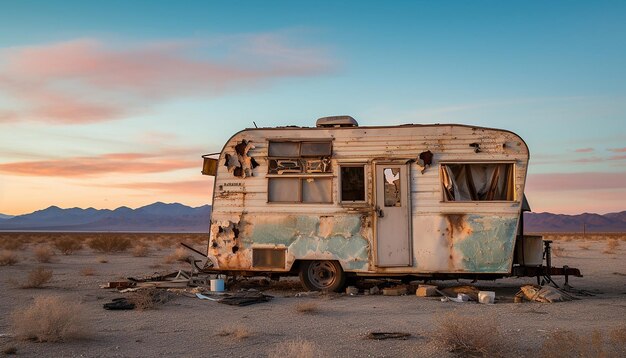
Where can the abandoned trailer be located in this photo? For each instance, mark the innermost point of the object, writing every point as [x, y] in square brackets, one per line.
[339, 200]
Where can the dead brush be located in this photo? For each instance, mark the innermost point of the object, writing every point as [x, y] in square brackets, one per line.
[618, 336]
[584, 245]
[238, 332]
[294, 349]
[12, 243]
[109, 244]
[569, 344]
[68, 245]
[611, 246]
[149, 299]
[468, 336]
[88, 271]
[307, 308]
[140, 250]
[37, 278]
[43, 254]
[558, 251]
[8, 258]
[180, 255]
[50, 319]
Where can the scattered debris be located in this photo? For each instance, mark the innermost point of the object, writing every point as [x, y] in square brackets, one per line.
[121, 303]
[374, 290]
[388, 335]
[352, 291]
[545, 294]
[244, 298]
[470, 291]
[395, 291]
[426, 291]
[308, 294]
[460, 298]
[486, 297]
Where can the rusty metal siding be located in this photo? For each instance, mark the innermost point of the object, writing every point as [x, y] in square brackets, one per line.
[446, 237]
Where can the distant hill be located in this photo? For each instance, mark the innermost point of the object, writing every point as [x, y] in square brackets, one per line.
[547, 222]
[161, 217]
[3, 216]
[157, 217]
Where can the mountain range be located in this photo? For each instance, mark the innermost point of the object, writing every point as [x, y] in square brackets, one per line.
[157, 217]
[175, 217]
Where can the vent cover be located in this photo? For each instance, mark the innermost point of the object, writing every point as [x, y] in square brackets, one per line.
[337, 121]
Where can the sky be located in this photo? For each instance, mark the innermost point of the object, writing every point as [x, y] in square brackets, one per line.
[112, 103]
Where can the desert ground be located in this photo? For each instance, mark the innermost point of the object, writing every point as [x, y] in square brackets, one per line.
[69, 268]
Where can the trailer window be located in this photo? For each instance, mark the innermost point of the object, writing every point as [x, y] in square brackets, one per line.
[299, 190]
[286, 190]
[316, 190]
[302, 157]
[478, 182]
[352, 183]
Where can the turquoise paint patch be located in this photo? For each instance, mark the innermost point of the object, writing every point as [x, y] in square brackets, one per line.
[301, 235]
[489, 248]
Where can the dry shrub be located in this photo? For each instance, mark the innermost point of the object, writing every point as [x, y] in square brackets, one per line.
[165, 242]
[468, 336]
[9, 350]
[12, 243]
[37, 278]
[618, 336]
[109, 244]
[611, 246]
[43, 254]
[307, 307]
[140, 250]
[181, 254]
[88, 271]
[149, 299]
[566, 238]
[238, 332]
[102, 259]
[68, 245]
[558, 251]
[294, 349]
[8, 258]
[584, 245]
[50, 319]
[569, 344]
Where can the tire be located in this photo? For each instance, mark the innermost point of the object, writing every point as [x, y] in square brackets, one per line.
[322, 275]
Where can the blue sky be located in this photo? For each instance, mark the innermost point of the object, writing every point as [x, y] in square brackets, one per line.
[552, 72]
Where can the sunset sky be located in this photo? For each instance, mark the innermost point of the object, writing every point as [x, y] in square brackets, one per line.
[111, 103]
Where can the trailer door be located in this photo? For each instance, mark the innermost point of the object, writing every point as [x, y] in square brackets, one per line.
[393, 208]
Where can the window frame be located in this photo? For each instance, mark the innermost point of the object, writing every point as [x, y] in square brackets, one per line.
[303, 175]
[481, 202]
[340, 183]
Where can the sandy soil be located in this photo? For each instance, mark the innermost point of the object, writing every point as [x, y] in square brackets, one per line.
[191, 327]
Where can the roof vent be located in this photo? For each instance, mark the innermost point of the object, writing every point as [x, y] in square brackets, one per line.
[336, 121]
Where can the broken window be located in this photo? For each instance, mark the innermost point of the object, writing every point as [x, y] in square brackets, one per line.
[352, 183]
[306, 157]
[298, 172]
[299, 190]
[478, 182]
[391, 176]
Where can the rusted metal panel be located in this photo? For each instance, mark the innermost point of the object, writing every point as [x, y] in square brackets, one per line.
[447, 237]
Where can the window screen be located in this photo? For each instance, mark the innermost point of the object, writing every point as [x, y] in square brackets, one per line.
[478, 182]
[352, 183]
[283, 190]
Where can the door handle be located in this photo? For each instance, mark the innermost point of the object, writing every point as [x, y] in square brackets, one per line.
[379, 212]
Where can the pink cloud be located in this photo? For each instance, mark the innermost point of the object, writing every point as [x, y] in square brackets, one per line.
[129, 163]
[618, 157]
[584, 150]
[617, 150]
[87, 80]
[586, 181]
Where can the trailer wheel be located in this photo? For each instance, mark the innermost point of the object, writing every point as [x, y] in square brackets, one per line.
[322, 275]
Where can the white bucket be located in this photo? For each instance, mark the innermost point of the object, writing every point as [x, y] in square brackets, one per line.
[217, 285]
[486, 296]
